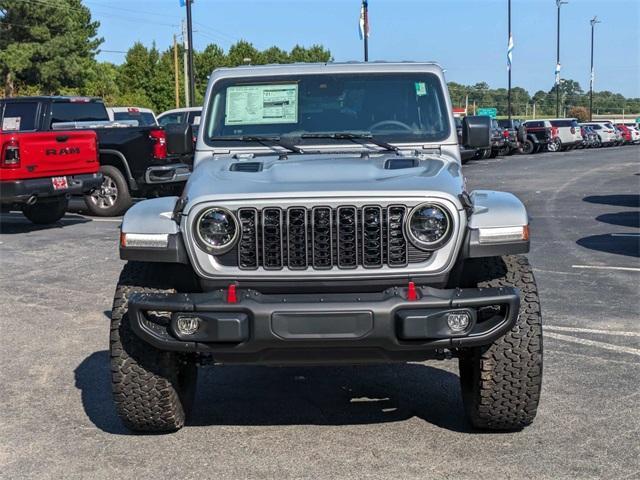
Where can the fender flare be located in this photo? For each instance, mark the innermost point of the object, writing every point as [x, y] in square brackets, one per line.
[132, 182]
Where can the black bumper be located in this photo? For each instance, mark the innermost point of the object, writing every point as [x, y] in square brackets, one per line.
[19, 191]
[323, 328]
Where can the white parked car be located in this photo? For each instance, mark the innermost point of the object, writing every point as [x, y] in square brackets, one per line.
[181, 115]
[144, 116]
[605, 131]
[567, 134]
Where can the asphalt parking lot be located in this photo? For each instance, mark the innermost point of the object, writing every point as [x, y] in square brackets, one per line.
[403, 421]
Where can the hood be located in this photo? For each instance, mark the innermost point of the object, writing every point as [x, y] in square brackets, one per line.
[323, 175]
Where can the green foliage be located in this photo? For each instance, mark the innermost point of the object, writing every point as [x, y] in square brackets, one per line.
[581, 113]
[50, 44]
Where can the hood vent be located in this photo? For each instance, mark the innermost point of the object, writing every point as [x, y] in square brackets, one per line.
[400, 163]
[246, 167]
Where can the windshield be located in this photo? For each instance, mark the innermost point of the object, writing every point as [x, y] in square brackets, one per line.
[144, 119]
[399, 107]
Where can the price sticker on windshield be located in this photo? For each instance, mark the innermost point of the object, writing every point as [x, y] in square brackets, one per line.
[261, 104]
[421, 89]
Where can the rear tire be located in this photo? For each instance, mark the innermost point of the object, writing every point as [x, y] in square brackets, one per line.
[153, 390]
[528, 147]
[47, 210]
[112, 198]
[501, 382]
[555, 145]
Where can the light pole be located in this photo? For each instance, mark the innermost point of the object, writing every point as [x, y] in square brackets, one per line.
[593, 22]
[509, 50]
[192, 86]
[559, 3]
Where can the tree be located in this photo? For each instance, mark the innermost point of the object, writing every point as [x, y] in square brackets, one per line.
[50, 44]
[581, 113]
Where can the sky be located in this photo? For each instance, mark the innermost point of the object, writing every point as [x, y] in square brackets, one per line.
[467, 37]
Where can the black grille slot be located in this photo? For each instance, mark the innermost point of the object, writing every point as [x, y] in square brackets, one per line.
[347, 238]
[396, 243]
[372, 236]
[248, 245]
[272, 238]
[297, 238]
[322, 237]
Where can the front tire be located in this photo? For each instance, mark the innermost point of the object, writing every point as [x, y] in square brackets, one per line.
[528, 147]
[47, 210]
[554, 145]
[153, 390]
[112, 198]
[501, 382]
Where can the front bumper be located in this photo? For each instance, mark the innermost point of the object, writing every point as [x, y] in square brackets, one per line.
[176, 172]
[19, 191]
[323, 328]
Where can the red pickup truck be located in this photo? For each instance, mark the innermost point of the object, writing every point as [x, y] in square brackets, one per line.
[40, 170]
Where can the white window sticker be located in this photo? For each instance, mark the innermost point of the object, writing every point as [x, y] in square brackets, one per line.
[11, 123]
[262, 104]
[196, 120]
[421, 89]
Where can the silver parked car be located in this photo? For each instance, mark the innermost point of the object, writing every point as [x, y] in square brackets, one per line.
[327, 221]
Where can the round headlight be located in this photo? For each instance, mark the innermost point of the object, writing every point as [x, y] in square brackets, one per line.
[216, 230]
[428, 226]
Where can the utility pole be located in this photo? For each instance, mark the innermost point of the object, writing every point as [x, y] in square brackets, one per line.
[185, 63]
[192, 87]
[364, 27]
[559, 3]
[593, 22]
[509, 58]
[176, 72]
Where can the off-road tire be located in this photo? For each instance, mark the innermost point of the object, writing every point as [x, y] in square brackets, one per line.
[47, 210]
[528, 147]
[153, 390]
[115, 179]
[501, 382]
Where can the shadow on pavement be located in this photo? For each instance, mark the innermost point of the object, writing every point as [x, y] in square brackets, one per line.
[627, 200]
[627, 244]
[15, 223]
[624, 219]
[245, 395]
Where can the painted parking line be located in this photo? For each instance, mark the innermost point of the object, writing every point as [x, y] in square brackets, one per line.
[596, 331]
[602, 267]
[593, 343]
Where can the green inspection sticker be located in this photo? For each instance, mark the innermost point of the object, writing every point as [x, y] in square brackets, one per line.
[262, 104]
[421, 89]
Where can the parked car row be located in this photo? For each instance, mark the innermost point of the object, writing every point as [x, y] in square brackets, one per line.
[132, 153]
[552, 135]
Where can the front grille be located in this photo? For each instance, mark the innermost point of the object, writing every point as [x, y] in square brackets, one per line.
[322, 238]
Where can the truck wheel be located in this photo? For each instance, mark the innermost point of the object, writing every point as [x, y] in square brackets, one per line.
[152, 389]
[112, 198]
[493, 153]
[501, 382]
[46, 210]
[554, 145]
[527, 147]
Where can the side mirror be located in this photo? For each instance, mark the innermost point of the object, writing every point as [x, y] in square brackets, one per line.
[476, 131]
[179, 138]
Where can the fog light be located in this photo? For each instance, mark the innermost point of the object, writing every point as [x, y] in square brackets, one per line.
[187, 325]
[458, 321]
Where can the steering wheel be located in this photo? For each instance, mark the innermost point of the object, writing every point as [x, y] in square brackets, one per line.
[394, 123]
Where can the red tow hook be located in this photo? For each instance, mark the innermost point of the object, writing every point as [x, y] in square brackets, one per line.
[412, 293]
[232, 294]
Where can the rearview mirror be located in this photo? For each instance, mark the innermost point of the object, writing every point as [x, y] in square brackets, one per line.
[179, 138]
[476, 131]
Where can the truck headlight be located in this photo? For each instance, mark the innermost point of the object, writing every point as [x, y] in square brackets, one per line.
[216, 230]
[428, 226]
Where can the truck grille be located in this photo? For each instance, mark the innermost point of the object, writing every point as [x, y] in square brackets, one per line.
[322, 238]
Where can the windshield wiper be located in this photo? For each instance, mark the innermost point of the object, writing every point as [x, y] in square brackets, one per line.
[354, 137]
[267, 141]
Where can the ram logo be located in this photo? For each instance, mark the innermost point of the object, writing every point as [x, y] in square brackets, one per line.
[62, 151]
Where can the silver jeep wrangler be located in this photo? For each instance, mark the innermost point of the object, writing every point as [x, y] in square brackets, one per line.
[327, 221]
